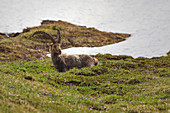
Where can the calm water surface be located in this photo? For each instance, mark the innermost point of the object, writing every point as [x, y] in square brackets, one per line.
[147, 20]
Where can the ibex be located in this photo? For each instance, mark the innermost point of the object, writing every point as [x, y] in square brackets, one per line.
[63, 62]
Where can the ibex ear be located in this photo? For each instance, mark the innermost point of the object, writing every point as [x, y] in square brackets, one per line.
[58, 52]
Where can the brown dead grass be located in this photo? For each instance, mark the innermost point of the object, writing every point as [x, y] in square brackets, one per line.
[22, 46]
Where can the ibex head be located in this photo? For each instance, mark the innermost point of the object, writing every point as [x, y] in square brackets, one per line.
[64, 62]
[54, 46]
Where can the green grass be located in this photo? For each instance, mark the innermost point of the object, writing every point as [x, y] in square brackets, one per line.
[123, 85]
[26, 47]
[30, 83]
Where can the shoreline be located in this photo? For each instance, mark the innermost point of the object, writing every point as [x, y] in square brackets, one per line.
[37, 47]
[71, 39]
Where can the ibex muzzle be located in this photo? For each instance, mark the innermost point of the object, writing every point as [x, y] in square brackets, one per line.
[64, 62]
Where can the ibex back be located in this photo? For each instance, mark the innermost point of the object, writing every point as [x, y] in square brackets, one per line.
[63, 62]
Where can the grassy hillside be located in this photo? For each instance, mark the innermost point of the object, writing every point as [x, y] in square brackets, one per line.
[30, 83]
[117, 84]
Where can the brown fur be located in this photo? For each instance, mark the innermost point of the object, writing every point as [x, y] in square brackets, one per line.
[63, 62]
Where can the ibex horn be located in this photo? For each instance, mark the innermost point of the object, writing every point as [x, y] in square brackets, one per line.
[46, 34]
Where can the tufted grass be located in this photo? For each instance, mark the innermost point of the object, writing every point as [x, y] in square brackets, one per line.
[30, 83]
[117, 84]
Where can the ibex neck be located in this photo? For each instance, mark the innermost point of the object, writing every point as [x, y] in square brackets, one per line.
[54, 55]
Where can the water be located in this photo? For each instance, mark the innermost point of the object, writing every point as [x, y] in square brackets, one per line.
[147, 20]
